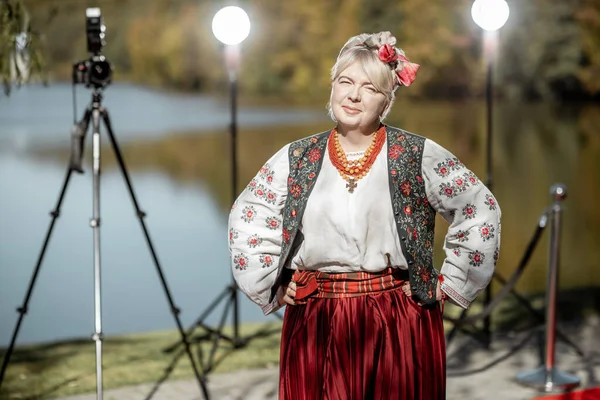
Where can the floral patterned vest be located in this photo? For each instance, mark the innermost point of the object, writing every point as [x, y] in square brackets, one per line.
[415, 218]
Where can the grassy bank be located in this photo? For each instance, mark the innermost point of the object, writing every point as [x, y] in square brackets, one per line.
[67, 368]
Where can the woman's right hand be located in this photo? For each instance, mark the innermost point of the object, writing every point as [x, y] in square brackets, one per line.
[289, 294]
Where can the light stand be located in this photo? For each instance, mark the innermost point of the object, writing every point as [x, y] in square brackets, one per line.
[231, 26]
[232, 59]
[490, 48]
[490, 15]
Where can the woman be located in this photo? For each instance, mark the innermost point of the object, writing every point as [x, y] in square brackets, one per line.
[339, 227]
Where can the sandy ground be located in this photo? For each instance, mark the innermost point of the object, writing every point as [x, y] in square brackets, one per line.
[474, 373]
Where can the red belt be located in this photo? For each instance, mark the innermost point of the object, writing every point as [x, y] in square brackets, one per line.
[327, 285]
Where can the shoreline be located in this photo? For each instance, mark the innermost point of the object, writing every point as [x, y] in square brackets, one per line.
[133, 364]
[466, 379]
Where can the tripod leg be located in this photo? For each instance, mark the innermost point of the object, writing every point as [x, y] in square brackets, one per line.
[540, 317]
[98, 336]
[455, 328]
[226, 294]
[217, 336]
[24, 308]
[523, 263]
[79, 129]
[140, 214]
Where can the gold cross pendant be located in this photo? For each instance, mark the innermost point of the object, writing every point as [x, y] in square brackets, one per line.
[351, 185]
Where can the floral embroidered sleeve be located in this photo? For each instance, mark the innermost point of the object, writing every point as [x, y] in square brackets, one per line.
[473, 239]
[255, 231]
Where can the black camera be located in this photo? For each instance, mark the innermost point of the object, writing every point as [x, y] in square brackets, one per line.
[95, 71]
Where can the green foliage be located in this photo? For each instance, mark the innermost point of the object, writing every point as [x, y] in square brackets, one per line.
[541, 49]
[295, 45]
[589, 20]
[20, 47]
[442, 38]
[171, 48]
[548, 48]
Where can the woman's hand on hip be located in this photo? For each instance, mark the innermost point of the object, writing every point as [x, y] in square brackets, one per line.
[408, 292]
[289, 294]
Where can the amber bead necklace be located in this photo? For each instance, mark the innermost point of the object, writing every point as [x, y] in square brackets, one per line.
[353, 170]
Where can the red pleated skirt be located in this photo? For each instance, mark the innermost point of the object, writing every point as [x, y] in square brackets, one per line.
[375, 345]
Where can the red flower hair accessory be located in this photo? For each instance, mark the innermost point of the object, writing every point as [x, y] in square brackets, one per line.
[387, 54]
[408, 71]
[384, 42]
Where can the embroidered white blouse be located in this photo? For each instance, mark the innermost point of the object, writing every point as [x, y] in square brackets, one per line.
[356, 231]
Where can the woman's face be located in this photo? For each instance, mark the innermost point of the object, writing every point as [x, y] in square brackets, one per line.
[355, 102]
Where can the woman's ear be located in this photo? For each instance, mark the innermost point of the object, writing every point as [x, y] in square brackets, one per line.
[385, 109]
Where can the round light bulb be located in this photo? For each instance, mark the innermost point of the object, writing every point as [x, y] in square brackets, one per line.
[231, 25]
[490, 15]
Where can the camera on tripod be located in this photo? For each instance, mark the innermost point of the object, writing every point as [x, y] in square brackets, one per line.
[95, 71]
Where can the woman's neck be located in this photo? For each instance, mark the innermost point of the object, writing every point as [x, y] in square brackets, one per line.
[353, 140]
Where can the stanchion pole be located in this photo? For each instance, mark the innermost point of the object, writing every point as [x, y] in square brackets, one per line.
[548, 378]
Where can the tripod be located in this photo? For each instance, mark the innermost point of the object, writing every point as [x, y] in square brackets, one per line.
[94, 113]
[230, 293]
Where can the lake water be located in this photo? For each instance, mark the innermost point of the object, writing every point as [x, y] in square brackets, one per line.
[187, 228]
[34, 115]
[534, 147]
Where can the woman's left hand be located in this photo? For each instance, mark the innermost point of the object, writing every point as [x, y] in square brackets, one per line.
[408, 292]
[289, 294]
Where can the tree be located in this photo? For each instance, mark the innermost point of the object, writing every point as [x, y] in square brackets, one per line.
[442, 37]
[20, 46]
[295, 45]
[541, 50]
[589, 20]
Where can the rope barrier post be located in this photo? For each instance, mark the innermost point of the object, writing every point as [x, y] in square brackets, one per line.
[548, 378]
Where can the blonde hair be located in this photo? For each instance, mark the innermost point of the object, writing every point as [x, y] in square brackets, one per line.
[363, 49]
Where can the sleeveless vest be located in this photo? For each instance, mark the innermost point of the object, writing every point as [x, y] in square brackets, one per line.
[415, 218]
